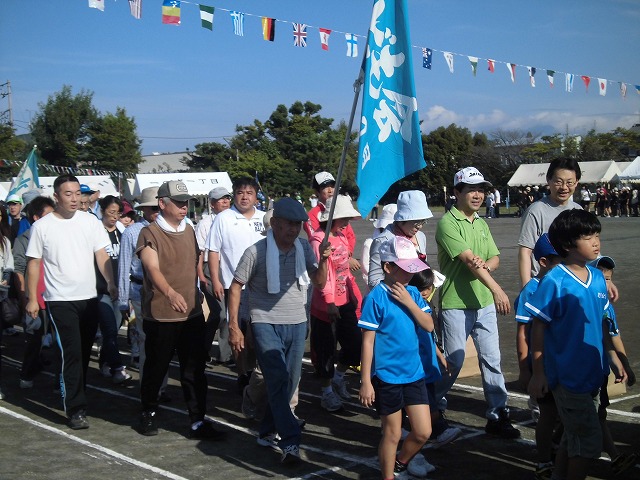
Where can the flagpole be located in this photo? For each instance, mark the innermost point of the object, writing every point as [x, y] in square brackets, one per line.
[357, 86]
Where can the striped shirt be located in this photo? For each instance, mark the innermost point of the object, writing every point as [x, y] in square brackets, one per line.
[286, 307]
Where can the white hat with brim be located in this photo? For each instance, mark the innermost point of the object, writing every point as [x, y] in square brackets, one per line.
[402, 252]
[343, 209]
[470, 176]
[148, 197]
[386, 217]
[412, 205]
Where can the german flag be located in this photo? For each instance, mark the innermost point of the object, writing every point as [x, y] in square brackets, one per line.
[268, 28]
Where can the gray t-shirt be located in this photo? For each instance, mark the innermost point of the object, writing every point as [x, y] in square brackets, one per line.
[286, 307]
[536, 221]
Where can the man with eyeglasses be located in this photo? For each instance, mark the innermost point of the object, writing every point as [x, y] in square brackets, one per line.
[563, 176]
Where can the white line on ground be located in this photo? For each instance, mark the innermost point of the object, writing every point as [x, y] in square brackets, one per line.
[95, 446]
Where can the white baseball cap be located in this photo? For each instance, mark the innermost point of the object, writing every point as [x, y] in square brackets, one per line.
[470, 176]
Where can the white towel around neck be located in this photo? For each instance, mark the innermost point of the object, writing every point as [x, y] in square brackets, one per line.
[273, 265]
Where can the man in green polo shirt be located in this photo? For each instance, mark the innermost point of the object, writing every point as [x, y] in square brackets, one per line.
[470, 297]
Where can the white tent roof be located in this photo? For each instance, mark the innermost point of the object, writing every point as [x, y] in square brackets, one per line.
[4, 189]
[632, 172]
[592, 172]
[101, 182]
[199, 183]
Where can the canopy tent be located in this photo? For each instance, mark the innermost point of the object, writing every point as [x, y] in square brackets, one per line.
[631, 173]
[603, 171]
[197, 183]
[100, 182]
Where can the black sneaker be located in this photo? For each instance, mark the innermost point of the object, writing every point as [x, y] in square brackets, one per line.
[502, 427]
[148, 425]
[205, 431]
[623, 462]
[78, 421]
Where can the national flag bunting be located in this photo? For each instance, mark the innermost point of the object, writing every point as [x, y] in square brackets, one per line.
[587, 80]
[352, 44]
[171, 12]
[268, 29]
[390, 141]
[324, 38]
[532, 75]
[99, 4]
[550, 74]
[299, 35]
[27, 178]
[427, 56]
[491, 65]
[512, 71]
[136, 8]
[602, 83]
[623, 89]
[238, 23]
[568, 82]
[206, 16]
[448, 56]
[474, 64]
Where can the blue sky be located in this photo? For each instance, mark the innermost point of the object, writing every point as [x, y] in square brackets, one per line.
[186, 85]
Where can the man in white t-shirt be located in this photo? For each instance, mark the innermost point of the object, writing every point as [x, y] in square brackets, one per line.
[66, 243]
[232, 232]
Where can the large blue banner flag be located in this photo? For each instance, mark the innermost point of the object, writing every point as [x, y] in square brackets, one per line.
[390, 140]
[27, 178]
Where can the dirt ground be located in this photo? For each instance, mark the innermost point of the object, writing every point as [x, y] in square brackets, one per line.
[35, 442]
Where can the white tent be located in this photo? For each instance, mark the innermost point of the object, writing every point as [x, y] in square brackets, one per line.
[631, 173]
[4, 189]
[592, 172]
[101, 182]
[199, 183]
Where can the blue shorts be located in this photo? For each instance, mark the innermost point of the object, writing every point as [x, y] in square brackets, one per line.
[391, 397]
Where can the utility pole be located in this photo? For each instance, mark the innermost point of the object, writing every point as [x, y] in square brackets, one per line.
[5, 91]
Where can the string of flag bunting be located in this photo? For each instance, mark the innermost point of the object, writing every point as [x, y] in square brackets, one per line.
[59, 169]
[172, 15]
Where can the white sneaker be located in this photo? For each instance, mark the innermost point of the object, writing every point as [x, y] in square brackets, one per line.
[419, 467]
[341, 389]
[120, 376]
[448, 435]
[330, 402]
[270, 440]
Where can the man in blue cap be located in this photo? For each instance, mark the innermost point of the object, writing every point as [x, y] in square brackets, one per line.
[276, 272]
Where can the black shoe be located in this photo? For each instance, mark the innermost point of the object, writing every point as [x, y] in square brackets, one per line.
[148, 425]
[242, 381]
[205, 431]
[164, 397]
[231, 363]
[78, 421]
[502, 427]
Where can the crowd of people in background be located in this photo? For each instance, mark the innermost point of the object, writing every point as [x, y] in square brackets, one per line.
[81, 267]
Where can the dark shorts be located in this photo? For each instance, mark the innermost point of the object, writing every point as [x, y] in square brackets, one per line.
[547, 399]
[324, 339]
[391, 397]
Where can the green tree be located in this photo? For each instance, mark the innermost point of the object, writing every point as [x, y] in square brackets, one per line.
[11, 148]
[113, 143]
[61, 127]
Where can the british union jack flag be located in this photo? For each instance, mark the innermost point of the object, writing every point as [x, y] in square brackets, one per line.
[299, 35]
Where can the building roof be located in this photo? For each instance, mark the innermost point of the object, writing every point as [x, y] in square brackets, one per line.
[163, 162]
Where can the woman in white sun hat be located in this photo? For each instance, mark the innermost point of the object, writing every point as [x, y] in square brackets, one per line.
[412, 213]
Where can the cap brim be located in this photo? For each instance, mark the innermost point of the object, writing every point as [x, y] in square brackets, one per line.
[182, 198]
[413, 265]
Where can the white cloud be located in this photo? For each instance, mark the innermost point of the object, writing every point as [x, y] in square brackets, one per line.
[545, 122]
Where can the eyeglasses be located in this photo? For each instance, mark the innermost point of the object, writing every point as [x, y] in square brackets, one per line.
[418, 224]
[113, 213]
[562, 183]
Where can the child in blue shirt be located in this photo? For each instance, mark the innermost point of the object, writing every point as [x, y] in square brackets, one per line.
[620, 462]
[543, 410]
[392, 375]
[569, 349]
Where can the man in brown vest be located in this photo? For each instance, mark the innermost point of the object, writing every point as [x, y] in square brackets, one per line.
[172, 311]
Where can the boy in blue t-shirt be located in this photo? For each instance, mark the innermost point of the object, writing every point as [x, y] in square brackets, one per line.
[569, 349]
[392, 375]
[543, 410]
